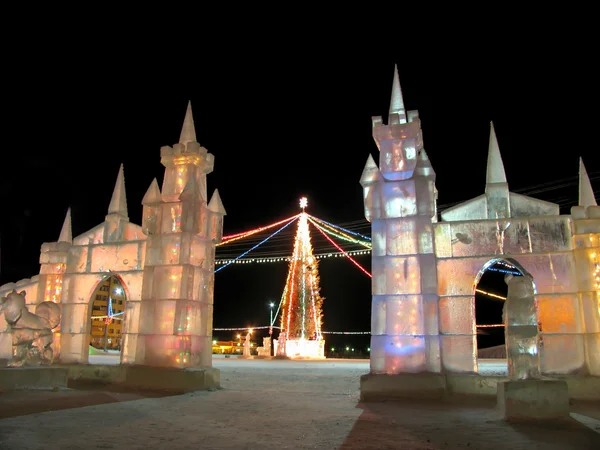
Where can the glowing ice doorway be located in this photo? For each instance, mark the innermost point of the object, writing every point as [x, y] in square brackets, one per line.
[107, 317]
[490, 291]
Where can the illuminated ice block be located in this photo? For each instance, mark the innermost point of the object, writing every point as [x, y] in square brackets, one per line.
[521, 331]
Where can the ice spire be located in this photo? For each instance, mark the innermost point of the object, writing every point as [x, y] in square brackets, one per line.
[370, 172]
[424, 166]
[118, 202]
[586, 193]
[397, 102]
[215, 204]
[495, 167]
[65, 233]
[152, 194]
[188, 131]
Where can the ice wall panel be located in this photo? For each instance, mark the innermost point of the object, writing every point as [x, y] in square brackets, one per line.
[457, 315]
[443, 239]
[425, 191]
[588, 268]
[404, 315]
[132, 232]
[79, 288]
[170, 249]
[474, 209]
[77, 260]
[167, 282]
[117, 257]
[379, 237]
[562, 354]
[401, 237]
[75, 318]
[399, 199]
[552, 273]
[201, 351]
[398, 354]
[164, 317]
[402, 275]
[171, 218]
[459, 353]
[550, 234]
[131, 322]
[93, 236]
[372, 202]
[592, 343]
[378, 268]
[378, 314]
[590, 307]
[559, 313]
[132, 283]
[129, 349]
[74, 347]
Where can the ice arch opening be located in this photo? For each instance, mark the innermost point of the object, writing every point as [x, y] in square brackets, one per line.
[107, 319]
[490, 290]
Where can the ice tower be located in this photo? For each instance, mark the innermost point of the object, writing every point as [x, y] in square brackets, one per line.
[176, 308]
[400, 203]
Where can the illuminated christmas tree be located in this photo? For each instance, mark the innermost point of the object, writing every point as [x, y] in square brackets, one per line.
[302, 303]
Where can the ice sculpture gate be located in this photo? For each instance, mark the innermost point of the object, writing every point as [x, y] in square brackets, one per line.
[424, 268]
[166, 266]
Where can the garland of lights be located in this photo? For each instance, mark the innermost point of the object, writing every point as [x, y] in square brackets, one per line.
[289, 258]
[257, 245]
[321, 221]
[327, 229]
[235, 237]
[345, 253]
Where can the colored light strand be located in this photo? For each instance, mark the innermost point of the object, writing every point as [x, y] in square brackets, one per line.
[345, 253]
[237, 236]
[270, 259]
[489, 294]
[340, 235]
[257, 245]
[340, 228]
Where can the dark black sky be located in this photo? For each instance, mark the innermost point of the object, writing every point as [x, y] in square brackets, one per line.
[284, 117]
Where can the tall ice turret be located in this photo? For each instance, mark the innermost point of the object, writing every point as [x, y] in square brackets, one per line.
[175, 326]
[400, 202]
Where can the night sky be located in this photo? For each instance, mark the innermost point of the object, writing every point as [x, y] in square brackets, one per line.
[282, 125]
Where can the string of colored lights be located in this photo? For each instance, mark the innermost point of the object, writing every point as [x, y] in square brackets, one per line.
[345, 253]
[340, 228]
[490, 294]
[234, 237]
[289, 258]
[341, 236]
[257, 245]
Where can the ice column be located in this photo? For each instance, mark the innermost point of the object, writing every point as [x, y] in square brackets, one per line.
[400, 202]
[176, 308]
[521, 329]
[586, 248]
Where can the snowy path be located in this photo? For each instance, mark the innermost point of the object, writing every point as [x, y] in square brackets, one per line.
[268, 405]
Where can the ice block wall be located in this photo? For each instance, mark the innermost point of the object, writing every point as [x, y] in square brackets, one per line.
[541, 247]
[399, 199]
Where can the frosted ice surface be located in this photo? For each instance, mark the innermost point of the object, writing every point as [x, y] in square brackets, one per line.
[521, 332]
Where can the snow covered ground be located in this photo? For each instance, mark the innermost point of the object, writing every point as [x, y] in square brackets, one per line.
[275, 404]
[486, 366]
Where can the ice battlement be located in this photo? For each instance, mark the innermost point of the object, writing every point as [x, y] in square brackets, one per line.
[190, 153]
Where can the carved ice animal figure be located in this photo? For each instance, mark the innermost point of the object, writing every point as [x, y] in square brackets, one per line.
[31, 332]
